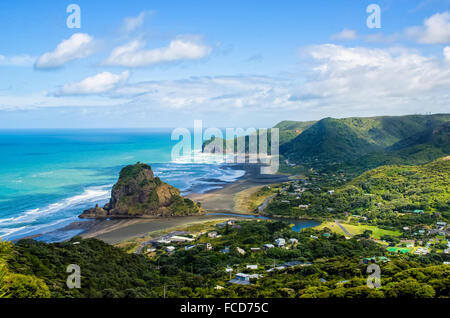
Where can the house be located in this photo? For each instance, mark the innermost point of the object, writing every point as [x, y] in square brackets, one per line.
[240, 250]
[280, 242]
[405, 228]
[170, 249]
[208, 246]
[268, 246]
[304, 206]
[418, 211]
[293, 241]
[326, 234]
[383, 259]
[440, 225]
[408, 243]
[218, 287]
[422, 251]
[228, 269]
[177, 238]
[189, 247]
[151, 250]
[368, 260]
[212, 234]
[241, 279]
[255, 249]
[322, 280]
[251, 267]
[226, 250]
[330, 192]
[313, 237]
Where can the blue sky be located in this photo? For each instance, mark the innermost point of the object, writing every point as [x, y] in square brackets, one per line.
[229, 63]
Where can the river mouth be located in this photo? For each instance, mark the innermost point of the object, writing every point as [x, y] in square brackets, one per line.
[299, 224]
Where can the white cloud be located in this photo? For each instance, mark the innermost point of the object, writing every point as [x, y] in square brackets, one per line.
[132, 23]
[436, 30]
[133, 54]
[338, 81]
[78, 46]
[369, 81]
[97, 84]
[345, 34]
[447, 53]
[19, 60]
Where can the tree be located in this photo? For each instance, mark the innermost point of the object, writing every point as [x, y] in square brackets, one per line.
[26, 286]
[410, 288]
[3, 285]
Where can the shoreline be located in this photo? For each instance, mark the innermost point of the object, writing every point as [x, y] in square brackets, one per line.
[213, 201]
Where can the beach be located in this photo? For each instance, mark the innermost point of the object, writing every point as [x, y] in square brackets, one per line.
[217, 200]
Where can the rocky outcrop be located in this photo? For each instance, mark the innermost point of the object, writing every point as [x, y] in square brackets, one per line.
[138, 193]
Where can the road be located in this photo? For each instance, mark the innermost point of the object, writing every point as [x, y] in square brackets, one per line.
[265, 204]
[343, 228]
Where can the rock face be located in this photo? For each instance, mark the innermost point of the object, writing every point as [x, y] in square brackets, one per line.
[138, 193]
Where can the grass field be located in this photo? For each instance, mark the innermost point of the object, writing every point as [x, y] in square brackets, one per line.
[377, 233]
[249, 200]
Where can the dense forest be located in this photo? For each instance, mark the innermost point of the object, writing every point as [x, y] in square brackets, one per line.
[325, 266]
[387, 195]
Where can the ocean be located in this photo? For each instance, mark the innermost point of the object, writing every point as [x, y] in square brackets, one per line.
[48, 177]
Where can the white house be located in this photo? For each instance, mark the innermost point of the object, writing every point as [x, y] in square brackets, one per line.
[252, 267]
[293, 241]
[280, 242]
[170, 249]
[241, 279]
[240, 250]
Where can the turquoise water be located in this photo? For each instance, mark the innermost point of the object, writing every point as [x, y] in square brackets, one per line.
[48, 177]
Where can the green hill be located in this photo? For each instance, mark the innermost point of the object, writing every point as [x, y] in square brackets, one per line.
[291, 129]
[370, 142]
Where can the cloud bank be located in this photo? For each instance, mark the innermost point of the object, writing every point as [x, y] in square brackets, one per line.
[78, 46]
[97, 84]
[436, 30]
[133, 54]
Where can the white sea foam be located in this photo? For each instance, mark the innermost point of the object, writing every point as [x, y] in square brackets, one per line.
[90, 194]
[198, 156]
[232, 175]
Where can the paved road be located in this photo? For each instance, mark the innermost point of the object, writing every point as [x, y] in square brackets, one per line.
[265, 204]
[343, 228]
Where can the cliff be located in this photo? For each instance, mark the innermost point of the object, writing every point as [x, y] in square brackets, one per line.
[138, 193]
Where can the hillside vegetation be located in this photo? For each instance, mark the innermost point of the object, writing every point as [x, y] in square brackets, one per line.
[357, 144]
[369, 142]
[387, 195]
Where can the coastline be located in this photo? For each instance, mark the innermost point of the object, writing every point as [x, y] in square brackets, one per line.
[219, 200]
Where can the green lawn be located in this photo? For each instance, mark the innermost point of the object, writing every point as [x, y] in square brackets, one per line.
[377, 232]
[358, 229]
